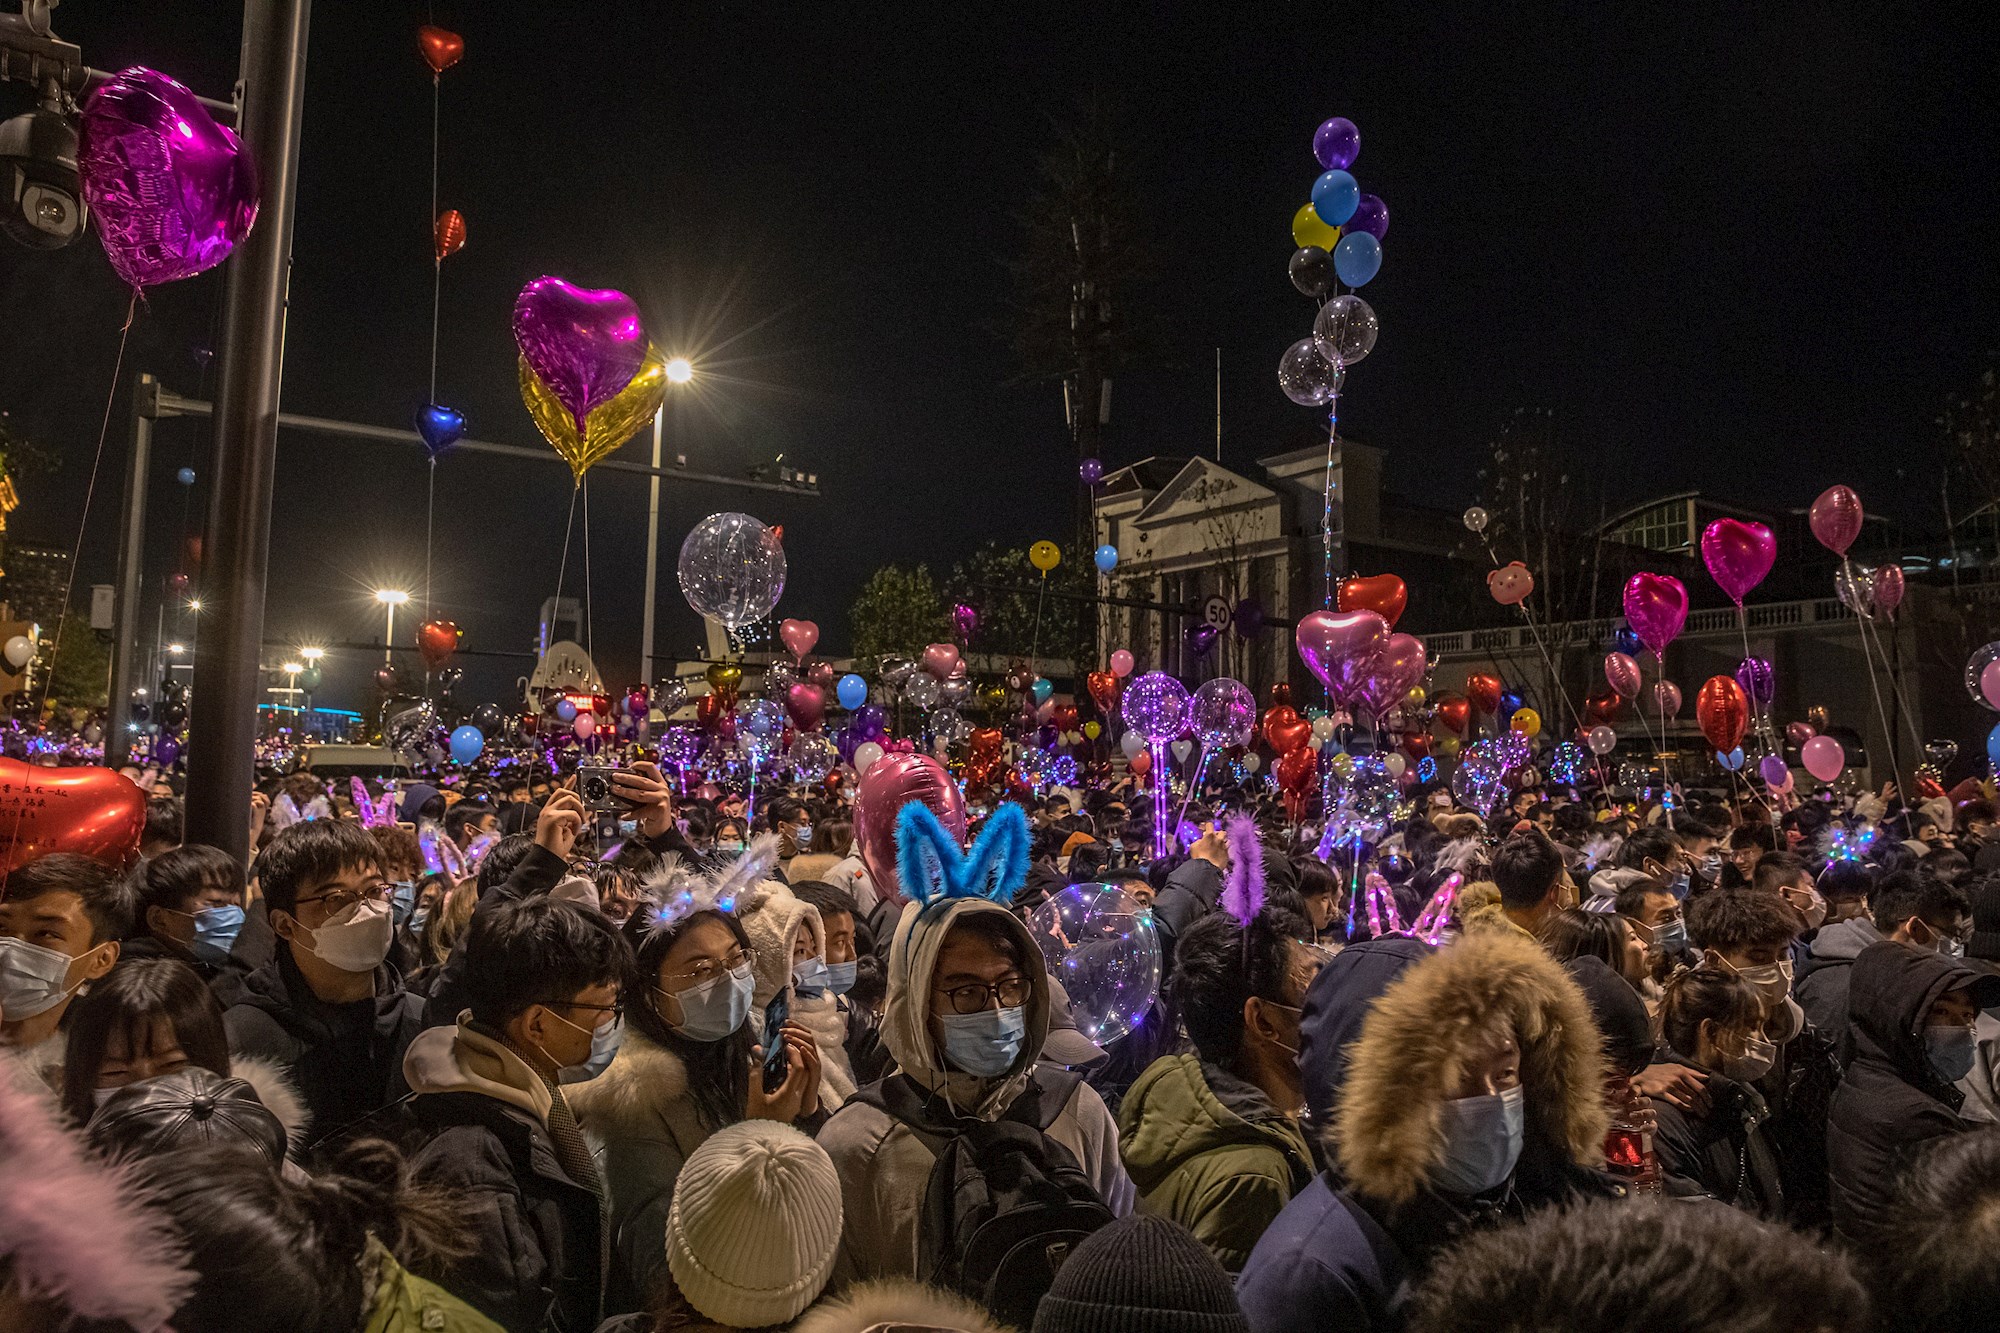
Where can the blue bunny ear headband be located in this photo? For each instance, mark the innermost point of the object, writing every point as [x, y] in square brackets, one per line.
[933, 870]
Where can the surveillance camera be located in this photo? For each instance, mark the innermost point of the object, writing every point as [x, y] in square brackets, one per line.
[41, 204]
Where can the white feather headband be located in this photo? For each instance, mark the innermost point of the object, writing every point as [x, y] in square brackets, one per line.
[677, 890]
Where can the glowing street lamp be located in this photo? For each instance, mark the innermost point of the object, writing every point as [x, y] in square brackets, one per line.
[680, 370]
[390, 598]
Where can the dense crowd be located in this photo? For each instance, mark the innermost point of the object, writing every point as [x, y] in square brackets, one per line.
[501, 1061]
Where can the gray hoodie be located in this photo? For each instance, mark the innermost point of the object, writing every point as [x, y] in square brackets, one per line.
[1822, 991]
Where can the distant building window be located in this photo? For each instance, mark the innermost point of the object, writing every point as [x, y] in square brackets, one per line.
[1664, 527]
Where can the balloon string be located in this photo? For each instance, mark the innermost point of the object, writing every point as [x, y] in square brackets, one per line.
[1534, 632]
[589, 613]
[1200, 772]
[1895, 692]
[562, 570]
[437, 265]
[1875, 686]
[1035, 640]
[1326, 502]
[430, 515]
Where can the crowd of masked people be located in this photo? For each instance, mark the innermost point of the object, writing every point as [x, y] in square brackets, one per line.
[686, 1065]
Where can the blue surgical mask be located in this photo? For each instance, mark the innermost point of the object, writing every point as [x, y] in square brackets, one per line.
[603, 1045]
[215, 930]
[985, 1044]
[418, 919]
[840, 976]
[1950, 1052]
[716, 1008]
[1678, 885]
[802, 835]
[1482, 1137]
[402, 901]
[811, 977]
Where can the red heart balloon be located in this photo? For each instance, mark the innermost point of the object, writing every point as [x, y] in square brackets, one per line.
[821, 674]
[708, 711]
[93, 812]
[1296, 769]
[1723, 710]
[448, 238]
[1483, 688]
[1284, 729]
[1103, 687]
[1065, 717]
[806, 705]
[1603, 708]
[1416, 745]
[986, 742]
[442, 47]
[1281, 693]
[1141, 764]
[437, 640]
[1454, 711]
[1384, 594]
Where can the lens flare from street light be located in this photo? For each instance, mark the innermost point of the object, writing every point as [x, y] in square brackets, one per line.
[680, 370]
[312, 654]
[292, 668]
[391, 596]
[195, 605]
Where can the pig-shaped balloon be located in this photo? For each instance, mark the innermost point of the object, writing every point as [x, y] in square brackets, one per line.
[1510, 584]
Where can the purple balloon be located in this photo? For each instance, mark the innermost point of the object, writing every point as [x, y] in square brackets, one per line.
[1336, 143]
[966, 619]
[1342, 649]
[1758, 680]
[1200, 639]
[1223, 713]
[1773, 770]
[1155, 706]
[1091, 471]
[1249, 617]
[585, 345]
[173, 191]
[870, 723]
[1370, 215]
[1657, 607]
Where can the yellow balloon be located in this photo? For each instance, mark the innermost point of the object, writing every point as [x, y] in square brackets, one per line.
[1416, 695]
[1308, 229]
[1448, 744]
[609, 424]
[1092, 731]
[1342, 764]
[1526, 721]
[1044, 556]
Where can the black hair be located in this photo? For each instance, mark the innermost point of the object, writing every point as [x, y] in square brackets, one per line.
[1688, 830]
[173, 878]
[1732, 919]
[1937, 1262]
[1844, 881]
[1778, 870]
[465, 812]
[1948, 864]
[1526, 866]
[1573, 933]
[501, 861]
[826, 898]
[1631, 900]
[832, 836]
[316, 849]
[166, 819]
[1663, 1265]
[1759, 835]
[993, 928]
[1695, 995]
[1647, 844]
[1089, 863]
[1216, 969]
[538, 951]
[271, 1251]
[718, 1071]
[127, 1000]
[1911, 893]
[106, 895]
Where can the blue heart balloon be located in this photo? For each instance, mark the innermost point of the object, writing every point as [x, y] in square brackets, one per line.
[440, 427]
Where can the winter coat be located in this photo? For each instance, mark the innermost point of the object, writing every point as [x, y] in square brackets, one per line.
[536, 1261]
[1982, 1086]
[643, 1125]
[346, 1060]
[851, 873]
[1189, 894]
[1890, 1102]
[1725, 1154]
[772, 918]
[1822, 985]
[1336, 1005]
[1343, 1255]
[1209, 1151]
[895, 1305]
[883, 1165]
[396, 1301]
[809, 866]
[538, 872]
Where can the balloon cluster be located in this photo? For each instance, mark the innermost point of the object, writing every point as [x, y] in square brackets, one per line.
[1339, 237]
[588, 374]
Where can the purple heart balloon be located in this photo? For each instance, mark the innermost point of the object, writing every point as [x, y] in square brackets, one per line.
[1758, 680]
[173, 191]
[1342, 649]
[585, 345]
[1656, 605]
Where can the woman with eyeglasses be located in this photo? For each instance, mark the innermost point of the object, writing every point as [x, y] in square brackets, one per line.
[1714, 1020]
[688, 1065]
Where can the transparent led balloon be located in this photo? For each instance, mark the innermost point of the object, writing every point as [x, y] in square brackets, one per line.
[1345, 330]
[1100, 943]
[732, 569]
[1306, 377]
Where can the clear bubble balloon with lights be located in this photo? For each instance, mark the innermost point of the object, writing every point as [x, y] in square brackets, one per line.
[1100, 943]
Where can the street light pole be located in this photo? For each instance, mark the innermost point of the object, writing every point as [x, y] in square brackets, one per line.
[652, 548]
[390, 598]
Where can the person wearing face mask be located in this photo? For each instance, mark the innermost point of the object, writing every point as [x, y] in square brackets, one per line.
[1211, 1138]
[789, 938]
[1474, 1094]
[545, 981]
[1712, 1019]
[1913, 1014]
[327, 1008]
[1535, 886]
[1784, 875]
[61, 920]
[689, 1062]
[190, 904]
[1909, 907]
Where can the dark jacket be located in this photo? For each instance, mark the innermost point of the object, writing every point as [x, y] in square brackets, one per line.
[1189, 894]
[1724, 1154]
[1822, 988]
[1890, 1102]
[1336, 1004]
[538, 872]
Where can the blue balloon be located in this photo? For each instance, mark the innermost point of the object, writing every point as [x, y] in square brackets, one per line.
[1357, 258]
[565, 710]
[1043, 689]
[1731, 761]
[1107, 558]
[1511, 702]
[1626, 641]
[1993, 747]
[466, 743]
[852, 691]
[439, 427]
[185, 476]
[1335, 197]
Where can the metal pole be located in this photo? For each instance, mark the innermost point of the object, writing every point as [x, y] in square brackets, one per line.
[652, 549]
[131, 560]
[223, 727]
[389, 637]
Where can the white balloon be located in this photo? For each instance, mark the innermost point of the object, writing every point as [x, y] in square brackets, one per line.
[1132, 743]
[20, 650]
[1602, 740]
[1395, 763]
[1251, 763]
[1182, 749]
[1322, 728]
[866, 756]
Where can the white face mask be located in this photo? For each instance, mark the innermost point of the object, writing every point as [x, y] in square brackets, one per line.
[1815, 911]
[1772, 981]
[354, 939]
[1482, 1137]
[1755, 1062]
[32, 978]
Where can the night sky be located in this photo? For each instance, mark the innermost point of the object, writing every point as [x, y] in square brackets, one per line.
[1753, 254]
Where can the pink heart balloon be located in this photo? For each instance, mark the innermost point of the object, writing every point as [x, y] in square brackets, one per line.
[799, 636]
[1738, 555]
[173, 191]
[1401, 665]
[879, 799]
[1888, 588]
[1667, 698]
[1622, 674]
[1836, 518]
[805, 705]
[1656, 606]
[1342, 649]
[585, 345]
[940, 658]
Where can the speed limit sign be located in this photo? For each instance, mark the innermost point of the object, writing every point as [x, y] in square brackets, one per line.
[1215, 613]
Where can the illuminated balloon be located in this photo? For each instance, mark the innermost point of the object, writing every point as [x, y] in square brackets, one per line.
[1311, 270]
[1344, 332]
[585, 345]
[866, 756]
[1370, 215]
[585, 726]
[812, 756]
[1985, 690]
[19, 651]
[732, 569]
[1306, 377]
[607, 426]
[1476, 519]
[1603, 740]
[1823, 757]
[1223, 713]
[441, 47]
[1155, 706]
[1044, 555]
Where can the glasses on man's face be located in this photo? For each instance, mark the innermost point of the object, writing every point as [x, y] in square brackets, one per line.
[708, 969]
[339, 900]
[974, 996]
[616, 1009]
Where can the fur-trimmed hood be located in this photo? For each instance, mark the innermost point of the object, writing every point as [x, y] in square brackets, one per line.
[904, 1305]
[771, 917]
[644, 1086]
[1411, 1056]
[276, 1091]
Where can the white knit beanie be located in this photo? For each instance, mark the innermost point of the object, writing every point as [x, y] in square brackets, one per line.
[754, 1225]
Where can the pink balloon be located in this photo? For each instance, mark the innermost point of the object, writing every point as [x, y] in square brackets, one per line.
[1342, 649]
[1822, 755]
[585, 344]
[799, 637]
[1738, 555]
[1989, 682]
[805, 705]
[1622, 674]
[1656, 606]
[1836, 520]
[940, 658]
[1121, 663]
[585, 726]
[1401, 665]
[1667, 698]
[1888, 589]
[879, 798]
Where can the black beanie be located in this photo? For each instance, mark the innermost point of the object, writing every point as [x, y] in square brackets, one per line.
[1142, 1274]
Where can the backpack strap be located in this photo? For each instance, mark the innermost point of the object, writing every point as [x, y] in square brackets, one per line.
[898, 1096]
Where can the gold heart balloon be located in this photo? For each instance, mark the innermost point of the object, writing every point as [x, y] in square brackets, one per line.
[724, 677]
[608, 425]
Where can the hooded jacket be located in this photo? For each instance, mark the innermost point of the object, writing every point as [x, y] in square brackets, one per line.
[1890, 1102]
[883, 1166]
[1345, 1257]
[1822, 987]
[1337, 1003]
[895, 1305]
[772, 918]
[536, 1261]
[1208, 1150]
